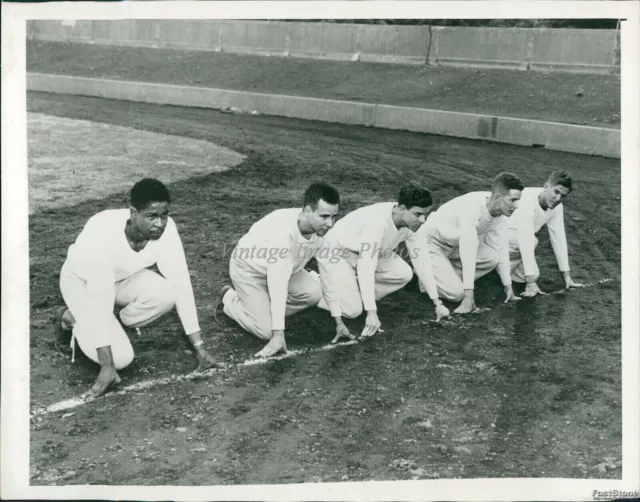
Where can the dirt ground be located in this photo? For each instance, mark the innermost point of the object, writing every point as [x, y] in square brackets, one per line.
[527, 390]
[553, 96]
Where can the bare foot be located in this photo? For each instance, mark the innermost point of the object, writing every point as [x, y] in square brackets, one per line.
[108, 376]
[275, 345]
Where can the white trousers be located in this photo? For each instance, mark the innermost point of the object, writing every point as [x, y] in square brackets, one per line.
[447, 267]
[145, 297]
[517, 268]
[249, 304]
[392, 273]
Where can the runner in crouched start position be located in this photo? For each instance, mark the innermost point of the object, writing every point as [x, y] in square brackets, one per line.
[359, 264]
[109, 266]
[267, 267]
[468, 238]
[539, 207]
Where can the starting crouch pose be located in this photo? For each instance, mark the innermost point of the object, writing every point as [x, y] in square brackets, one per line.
[468, 238]
[540, 206]
[359, 264]
[108, 267]
[267, 267]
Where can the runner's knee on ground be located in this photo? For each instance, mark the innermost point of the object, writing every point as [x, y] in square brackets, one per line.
[263, 332]
[517, 267]
[260, 327]
[123, 358]
[453, 293]
[121, 348]
[351, 309]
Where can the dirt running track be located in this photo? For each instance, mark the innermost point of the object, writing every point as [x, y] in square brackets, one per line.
[531, 390]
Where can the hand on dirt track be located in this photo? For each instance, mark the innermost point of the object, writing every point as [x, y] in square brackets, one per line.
[342, 332]
[570, 284]
[107, 377]
[467, 305]
[511, 297]
[372, 325]
[275, 345]
[532, 290]
[442, 311]
[206, 361]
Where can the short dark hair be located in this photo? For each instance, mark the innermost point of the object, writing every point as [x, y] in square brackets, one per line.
[505, 182]
[320, 191]
[414, 196]
[147, 191]
[560, 178]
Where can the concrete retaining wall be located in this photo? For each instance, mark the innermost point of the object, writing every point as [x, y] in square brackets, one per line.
[591, 51]
[579, 49]
[554, 136]
[510, 48]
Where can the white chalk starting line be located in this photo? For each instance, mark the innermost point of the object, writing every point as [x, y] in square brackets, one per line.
[78, 401]
[38, 413]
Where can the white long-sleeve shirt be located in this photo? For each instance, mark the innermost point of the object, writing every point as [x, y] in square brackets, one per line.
[275, 248]
[371, 233]
[461, 223]
[102, 256]
[526, 222]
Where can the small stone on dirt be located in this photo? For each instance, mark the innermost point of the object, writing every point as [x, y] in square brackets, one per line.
[418, 472]
[605, 466]
[403, 464]
[601, 468]
[463, 438]
[425, 424]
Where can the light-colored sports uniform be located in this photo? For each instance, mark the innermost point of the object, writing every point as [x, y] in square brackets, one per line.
[524, 224]
[268, 276]
[359, 264]
[103, 271]
[466, 243]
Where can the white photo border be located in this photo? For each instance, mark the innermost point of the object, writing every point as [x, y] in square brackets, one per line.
[15, 256]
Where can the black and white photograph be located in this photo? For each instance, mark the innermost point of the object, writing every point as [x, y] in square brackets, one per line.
[345, 251]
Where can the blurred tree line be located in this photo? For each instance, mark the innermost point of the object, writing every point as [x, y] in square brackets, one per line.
[610, 24]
